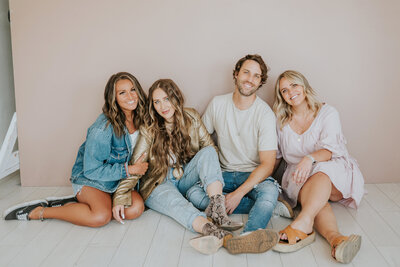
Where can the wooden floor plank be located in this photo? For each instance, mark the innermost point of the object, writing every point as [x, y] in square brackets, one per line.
[8, 253]
[192, 258]
[156, 240]
[137, 240]
[23, 233]
[391, 254]
[270, 258]
[38, 249]
[393, 219]
[378, 200]
[110, 234]
[9, 184]
[7, 227]
[71, 247]
[19, 195]
[391, 190]
[166, 245]
[98, 256]
[378, 231]
[368, 254]
[223, 259]
[303, 257]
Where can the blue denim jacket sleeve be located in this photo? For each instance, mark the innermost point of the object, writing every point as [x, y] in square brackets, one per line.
[96, 156]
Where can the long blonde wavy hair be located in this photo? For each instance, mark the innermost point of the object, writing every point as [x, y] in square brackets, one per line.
[178, 141]
[282, 109]
[113, 112]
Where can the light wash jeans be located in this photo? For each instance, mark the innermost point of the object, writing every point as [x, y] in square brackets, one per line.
[168, 197]
[259, 203]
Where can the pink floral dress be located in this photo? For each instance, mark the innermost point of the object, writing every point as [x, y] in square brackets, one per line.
[325, 132]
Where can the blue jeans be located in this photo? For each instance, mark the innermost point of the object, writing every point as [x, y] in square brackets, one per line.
[168, 197]
[259, 203]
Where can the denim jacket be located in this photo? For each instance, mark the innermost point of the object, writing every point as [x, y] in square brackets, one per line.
[103, 158]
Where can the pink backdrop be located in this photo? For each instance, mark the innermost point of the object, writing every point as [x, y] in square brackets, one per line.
[64, 52]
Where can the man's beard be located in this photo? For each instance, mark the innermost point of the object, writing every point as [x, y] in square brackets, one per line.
[243, 92]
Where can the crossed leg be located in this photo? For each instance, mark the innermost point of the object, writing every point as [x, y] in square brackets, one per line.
[93, 209]
[315, 209]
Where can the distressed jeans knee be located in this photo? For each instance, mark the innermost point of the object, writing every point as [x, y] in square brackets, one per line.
[198, 197]
[167, 200]
[266, 196]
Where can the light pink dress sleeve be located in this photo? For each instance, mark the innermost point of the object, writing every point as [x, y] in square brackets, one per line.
[324, 133]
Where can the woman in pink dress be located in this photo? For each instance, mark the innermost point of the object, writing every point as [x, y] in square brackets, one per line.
[319, 168]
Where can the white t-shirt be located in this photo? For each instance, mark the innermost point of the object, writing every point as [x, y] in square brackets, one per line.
[134, 139]
[241, 133]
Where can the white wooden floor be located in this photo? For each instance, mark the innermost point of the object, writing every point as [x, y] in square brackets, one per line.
[156, 240]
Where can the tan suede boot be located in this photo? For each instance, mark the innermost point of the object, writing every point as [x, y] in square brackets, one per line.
[217, 212]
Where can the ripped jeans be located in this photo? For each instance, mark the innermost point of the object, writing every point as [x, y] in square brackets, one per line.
[259, 203]
[168, 197]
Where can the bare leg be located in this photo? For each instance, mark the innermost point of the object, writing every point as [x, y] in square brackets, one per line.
[93, 209]
[214, 188]
[199, 223]
[313, 196]
[325, 224]
[325, 221]
[137, 207]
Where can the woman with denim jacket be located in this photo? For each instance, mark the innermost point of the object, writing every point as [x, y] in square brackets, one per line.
[181, 154]
[101, 163]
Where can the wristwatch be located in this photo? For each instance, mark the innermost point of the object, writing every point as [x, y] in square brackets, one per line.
[312, 159]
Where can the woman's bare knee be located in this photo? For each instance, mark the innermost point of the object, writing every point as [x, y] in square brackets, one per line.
[134, 211]
[100, 218]
[137, 207]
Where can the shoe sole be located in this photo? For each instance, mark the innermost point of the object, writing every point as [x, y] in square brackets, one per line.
[256, 242]
[231, 228]
[29, 203]
[285, 247]
[59, 198]
[288, 211]
[348, 249]
[206, 244]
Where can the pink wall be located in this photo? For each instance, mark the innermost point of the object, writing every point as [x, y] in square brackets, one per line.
[64, 52]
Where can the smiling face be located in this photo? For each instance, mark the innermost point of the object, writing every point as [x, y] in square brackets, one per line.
[126, 96]
[163, 105]
[248, 78]
[292, 92]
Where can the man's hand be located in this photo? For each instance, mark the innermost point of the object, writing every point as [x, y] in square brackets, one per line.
[232, 200]
[119, 213]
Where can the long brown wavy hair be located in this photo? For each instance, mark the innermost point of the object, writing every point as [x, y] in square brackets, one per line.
[178, 141]
[113, 112]
[282, 109]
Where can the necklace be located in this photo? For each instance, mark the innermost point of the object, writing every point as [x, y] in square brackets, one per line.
[301, 124]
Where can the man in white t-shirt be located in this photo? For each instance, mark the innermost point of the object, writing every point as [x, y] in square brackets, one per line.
[247, 143]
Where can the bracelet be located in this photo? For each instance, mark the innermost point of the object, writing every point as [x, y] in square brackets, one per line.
[312, 159]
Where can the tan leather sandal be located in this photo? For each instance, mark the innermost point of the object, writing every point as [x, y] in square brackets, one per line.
[296, 240]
